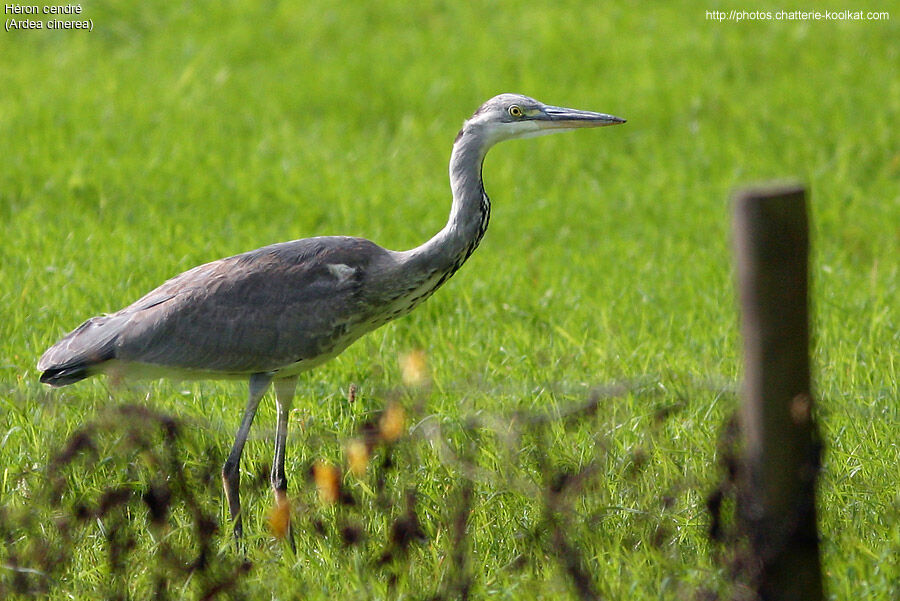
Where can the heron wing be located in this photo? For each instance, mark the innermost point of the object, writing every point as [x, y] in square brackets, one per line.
[253, 312]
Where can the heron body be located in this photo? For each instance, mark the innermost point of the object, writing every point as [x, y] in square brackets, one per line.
[272, 313]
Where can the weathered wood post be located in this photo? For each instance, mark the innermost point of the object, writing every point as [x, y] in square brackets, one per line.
[777, 510]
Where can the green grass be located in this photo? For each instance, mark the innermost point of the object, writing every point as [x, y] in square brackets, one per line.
[170, 136]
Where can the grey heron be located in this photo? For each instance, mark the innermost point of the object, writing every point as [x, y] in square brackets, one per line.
[272, 313]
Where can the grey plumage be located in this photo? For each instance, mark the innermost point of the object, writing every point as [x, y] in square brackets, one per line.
[274, 312]
[260, 311]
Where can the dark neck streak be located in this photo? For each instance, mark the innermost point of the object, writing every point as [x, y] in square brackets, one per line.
[469, 215]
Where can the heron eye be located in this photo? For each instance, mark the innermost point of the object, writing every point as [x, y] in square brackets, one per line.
[515, 111]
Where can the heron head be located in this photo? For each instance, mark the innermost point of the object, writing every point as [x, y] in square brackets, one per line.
[510, 116]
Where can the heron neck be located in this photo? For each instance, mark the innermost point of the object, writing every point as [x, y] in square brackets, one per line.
[469, 213]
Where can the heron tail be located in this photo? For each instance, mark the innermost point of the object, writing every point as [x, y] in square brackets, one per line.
[80, 352]
[64, 377]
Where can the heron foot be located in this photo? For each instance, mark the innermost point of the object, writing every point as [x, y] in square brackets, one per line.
[231, 482]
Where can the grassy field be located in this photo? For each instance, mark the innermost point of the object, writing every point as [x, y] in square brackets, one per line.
[172, 135]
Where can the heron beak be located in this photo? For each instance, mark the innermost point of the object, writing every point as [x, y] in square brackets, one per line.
[557, 117]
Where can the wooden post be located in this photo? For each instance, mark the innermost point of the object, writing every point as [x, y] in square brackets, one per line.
[777, 510]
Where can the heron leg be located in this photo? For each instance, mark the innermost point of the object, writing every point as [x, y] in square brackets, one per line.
[284, 397]
[231, 475]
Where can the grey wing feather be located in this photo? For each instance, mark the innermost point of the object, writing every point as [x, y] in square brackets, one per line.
[252, 312]
[92, 343]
